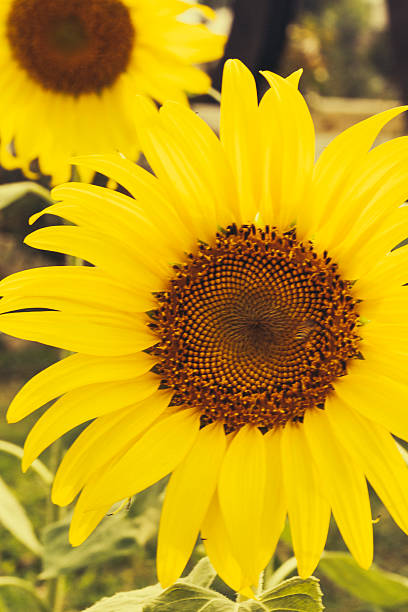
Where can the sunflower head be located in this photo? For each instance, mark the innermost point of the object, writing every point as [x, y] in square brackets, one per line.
[70, 71]
[242, 327]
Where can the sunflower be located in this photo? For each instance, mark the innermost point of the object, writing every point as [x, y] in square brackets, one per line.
[242, 327]
[70, 71]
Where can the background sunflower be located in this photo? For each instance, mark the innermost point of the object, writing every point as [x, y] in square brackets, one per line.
[70, 71]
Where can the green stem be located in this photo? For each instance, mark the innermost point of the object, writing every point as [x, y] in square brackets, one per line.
[215, 95]
[12, 581]
[282, 572]
[56, 586]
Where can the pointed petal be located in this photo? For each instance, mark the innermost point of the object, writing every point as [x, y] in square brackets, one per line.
[84, 522]
[289, 149]
[188, 495]
[242, 496]
[308, 508]
[158, 452]
[378, 398]
[337, 163]
[84, 404]
[375, 450]
[107, 438]
[101, 250]
[73, 372]
[145, 188]
[77, 287]
[239, 134]
[92, 335]
[345, 486]
[274, 512]
[218, 547]
[208, 158]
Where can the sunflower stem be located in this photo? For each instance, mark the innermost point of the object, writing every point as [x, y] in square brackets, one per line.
[215, 95]
[282, 572]
[56, 586]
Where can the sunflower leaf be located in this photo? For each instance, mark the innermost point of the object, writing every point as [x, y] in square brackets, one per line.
[373, 585]
[116, 536]
[202, 574]
[14, 518]
[11, 192]
[181, 597]
[294, 595]
[19, 594]
[188, 598]
[128, 601]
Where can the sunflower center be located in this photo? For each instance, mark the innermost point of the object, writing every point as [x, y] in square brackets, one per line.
[254, 329]
[71, 47]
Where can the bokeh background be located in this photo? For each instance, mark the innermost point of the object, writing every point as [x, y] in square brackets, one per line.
[355, 59]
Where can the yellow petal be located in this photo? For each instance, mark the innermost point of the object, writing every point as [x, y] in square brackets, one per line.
[203, 148]
[218, 548]
[294, 77]
[188, 496]
[378, 187]
[239, 134]
[386, 277]
[145, 188]
[384, 361]
[78, 286]
[182, 180]
[84, 522]
[84, 404]
[338, 161]
[288, 153]
[108, 437]
[242, 496]
[122, 216]
[158, 452]
[93, 335]
[73, 372]
[375, 451]
[345, 486]
[308, 508]
[274, 512]
[101, 250]
[378, 398]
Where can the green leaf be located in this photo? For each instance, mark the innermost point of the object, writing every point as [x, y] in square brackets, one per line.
[189, 598]
[11, 192]
[202, 574]
[294, 595]
[37, 465]
[18, 594]
[130, 601]
[117, 536]
[14, 518]
[373, 585]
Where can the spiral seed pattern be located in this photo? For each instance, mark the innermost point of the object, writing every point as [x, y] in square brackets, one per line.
[254, 328]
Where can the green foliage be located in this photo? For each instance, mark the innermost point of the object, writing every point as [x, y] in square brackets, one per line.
[15, 519]
[192, 594]
[373, 585]
[11, 192]
[117, 536]
[17, 594]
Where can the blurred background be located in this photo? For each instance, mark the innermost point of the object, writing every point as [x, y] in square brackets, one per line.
[355, 59]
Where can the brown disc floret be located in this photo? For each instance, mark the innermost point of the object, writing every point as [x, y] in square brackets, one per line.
[254, 328]
[71, 47]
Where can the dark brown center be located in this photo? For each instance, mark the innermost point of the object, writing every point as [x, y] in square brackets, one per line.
[254, 328]
[71, 46]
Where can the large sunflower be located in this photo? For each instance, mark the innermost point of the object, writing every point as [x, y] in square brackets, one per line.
[69, 72]
[219, 336]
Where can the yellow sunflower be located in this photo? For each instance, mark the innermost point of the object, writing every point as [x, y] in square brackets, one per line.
[219, 335]
[69, 72]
